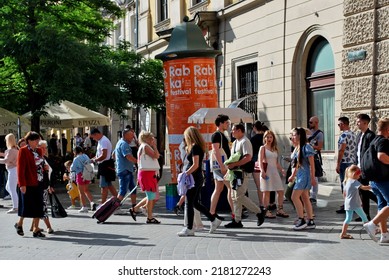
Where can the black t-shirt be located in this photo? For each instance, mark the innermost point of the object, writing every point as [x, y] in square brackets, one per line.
[219, 137]
[256, 142]
[382, 145]
[196, 151]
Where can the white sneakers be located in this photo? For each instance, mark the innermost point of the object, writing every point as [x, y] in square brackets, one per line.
[186, 232]
[370, 228]
[71, 207]
[384, 241]
[12, 211]
[214, 225]
[83, 210]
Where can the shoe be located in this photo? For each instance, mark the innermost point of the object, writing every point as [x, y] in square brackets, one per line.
[143, 211]
[281, 213]
[38, 234]
[186, 232]
[261, 218]
[7, 197]
[177, 210]
[341, 210]
[19, 229]
[133, 214]
[311, 225]
[71, 207]
[313, 200]
[50, 231]
[370, 228]
[346, 236]
[12, 211]
[384, 240]
[83, 210]
[214, 225]
[152, 221]
[272, 206]
[234, 224]
[269, 215]
[301, 224]
[218, 217]
[198, 228]
[93, 206]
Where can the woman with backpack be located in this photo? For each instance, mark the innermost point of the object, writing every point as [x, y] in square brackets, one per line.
[77, 167]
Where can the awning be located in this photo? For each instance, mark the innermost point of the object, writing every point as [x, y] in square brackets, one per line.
[69, 115]
[9, 123]
[208, 115]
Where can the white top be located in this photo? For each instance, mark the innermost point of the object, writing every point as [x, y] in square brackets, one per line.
[104, 144]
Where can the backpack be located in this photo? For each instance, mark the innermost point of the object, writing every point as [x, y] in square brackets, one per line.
[88, 173]
[372, 168]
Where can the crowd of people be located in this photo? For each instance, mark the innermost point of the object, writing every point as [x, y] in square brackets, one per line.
[233, 159]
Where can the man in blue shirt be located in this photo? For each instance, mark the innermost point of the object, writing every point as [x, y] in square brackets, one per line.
[125, 165]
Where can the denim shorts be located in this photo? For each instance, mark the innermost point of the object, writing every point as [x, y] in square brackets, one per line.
[126, 182]
[218, 175]
[381, 190]
[104, 183]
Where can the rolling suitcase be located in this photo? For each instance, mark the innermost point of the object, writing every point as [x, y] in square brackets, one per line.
[106, 210]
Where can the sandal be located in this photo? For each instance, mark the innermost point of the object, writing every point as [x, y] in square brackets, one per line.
[269, 215]
[281, 213]
[19, 229]
[38, 234]
[346, 236]
[152, 221]
[133, 214]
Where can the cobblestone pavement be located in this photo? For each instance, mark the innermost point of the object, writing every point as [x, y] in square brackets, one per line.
[79, 237]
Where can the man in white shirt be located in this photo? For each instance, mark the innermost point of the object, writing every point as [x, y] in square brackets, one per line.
[103, 157]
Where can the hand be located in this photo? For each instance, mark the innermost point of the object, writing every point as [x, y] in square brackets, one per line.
[291, 179]
[283, 172]
[23, 189]
[263, 175]
[338, 169]
[313, 181]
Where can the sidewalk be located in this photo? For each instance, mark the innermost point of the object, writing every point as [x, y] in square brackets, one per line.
[79, 237]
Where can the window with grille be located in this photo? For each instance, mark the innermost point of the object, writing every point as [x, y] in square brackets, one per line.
[247, 79]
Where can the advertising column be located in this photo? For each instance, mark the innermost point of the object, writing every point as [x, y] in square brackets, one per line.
[190, 84]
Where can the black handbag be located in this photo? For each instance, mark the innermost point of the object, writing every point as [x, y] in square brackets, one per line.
[57, 210]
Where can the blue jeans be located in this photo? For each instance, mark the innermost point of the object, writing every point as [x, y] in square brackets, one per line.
[381, 190]
[342, 171]
[126, 182]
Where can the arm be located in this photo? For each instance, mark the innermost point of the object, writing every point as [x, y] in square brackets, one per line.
[340, 156]
[245, 159]
[218, 155]
[261, 158]
[102, 156]
[152, 152]
[312, 170]
[383, 157]
[366, 188]
[195, 165]
[131, 158]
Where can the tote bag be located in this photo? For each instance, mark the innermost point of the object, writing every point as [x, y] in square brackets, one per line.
[57, 210]
[145, 162]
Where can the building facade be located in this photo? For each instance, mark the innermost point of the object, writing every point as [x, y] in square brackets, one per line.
[283, 61]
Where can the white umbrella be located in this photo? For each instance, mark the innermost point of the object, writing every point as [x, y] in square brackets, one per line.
[69, 115]
[208, 115]
[11, 122]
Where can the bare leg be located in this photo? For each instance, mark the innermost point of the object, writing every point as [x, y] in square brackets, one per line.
[297, 202]
[307, 204]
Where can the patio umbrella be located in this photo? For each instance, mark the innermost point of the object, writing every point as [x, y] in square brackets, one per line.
[13, 123]
[70, 115]
[208, 115]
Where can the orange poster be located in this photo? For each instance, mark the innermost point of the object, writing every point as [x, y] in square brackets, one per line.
[190, 84]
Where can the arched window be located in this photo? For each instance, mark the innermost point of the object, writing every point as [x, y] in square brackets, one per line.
[321, 89]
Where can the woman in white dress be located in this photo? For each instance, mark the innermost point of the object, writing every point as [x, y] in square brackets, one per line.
[270, 176]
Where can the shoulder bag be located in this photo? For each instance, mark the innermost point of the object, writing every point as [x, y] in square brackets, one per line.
[212, 156]
[145, 162]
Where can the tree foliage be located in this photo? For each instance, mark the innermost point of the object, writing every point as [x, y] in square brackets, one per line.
[54, 50]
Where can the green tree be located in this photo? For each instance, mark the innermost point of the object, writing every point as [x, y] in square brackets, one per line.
[54, 50]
